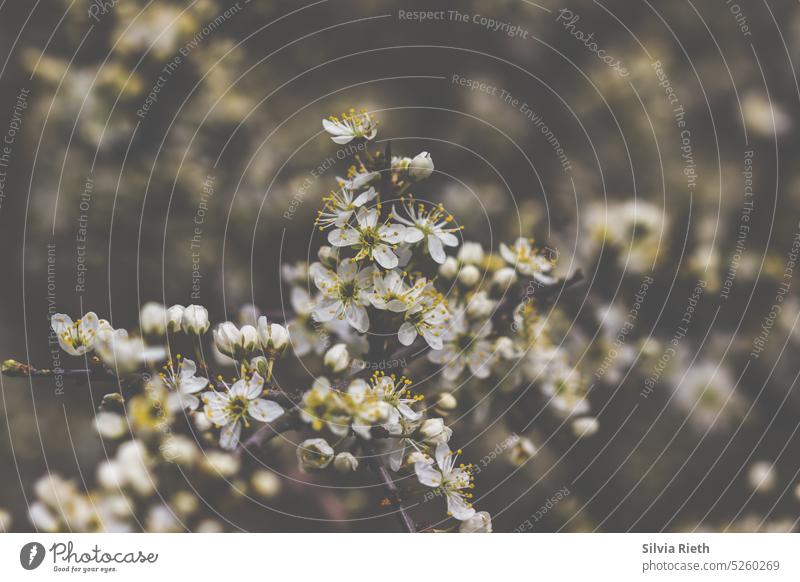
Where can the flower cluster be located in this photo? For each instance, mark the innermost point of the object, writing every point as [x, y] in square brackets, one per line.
[393, 285]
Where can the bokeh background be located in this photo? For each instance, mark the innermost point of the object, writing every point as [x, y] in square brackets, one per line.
[695, 433]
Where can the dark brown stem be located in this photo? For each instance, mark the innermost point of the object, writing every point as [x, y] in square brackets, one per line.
[391, 489]
[268, 432]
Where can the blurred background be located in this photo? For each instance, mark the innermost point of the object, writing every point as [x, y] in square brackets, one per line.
[653, 145]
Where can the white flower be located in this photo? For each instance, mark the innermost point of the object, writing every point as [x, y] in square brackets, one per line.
[345, 462]
[75, 338]
[504, 277]
[481, 522]
[427, 317]
[430, 224]
[185, 383]
[465, 345]
[391, 291]
[339, 206]
[304, 334]
[421, 167]
[175, 317]
[522, 256]
[234, 407]
[337, 358]
[372, 241]
[273, 337]
[523, 449]
[153, 319]
[351, 125]
[234, 342]
[124, 354]
[345, 293]
[479, 305]
[435, 431]
[366, 407]
[195, 320]
[358, 180]
[451, 479]
[471, 253]
[314, 454]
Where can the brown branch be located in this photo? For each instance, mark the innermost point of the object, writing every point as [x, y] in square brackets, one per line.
[391, 488]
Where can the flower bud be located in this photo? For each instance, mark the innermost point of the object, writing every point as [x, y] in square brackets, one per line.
[273, 337]
[153, 319]
[505, 277]
[261, 365]
[228, 339]
[481, 522]
[449, 269]
[337, 358]
[446, 402]
[265, 483]
[434, 431]
[250, 339]
[314, 454]
[174, 318]
[522, 450]
[585, 427]
[504, 346]
[345, 462]
[195, 320]
[421, 167]
[469, 275]
[471, 252]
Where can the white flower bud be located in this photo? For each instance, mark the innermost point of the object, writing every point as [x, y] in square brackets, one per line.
[337, 358]
[153, 319]
[434, 431]
[505, 277]
[345, 462]
[481, 522]
[585, 427]
[250, 339]
[328, 256]
[449, 269]
[522, 450]
[421, 167]
[195, 320]
[228, 338]
[471, 252]
[314, 454]
[273, 337]
[446, 402]
[220, 464]
[469, 275]
[174, 318]
[266, 483]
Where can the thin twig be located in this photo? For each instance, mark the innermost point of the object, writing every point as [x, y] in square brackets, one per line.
[391, 489]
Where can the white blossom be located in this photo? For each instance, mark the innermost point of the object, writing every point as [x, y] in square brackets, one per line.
[372, 240]
[351, 125]
[234, 407]
[314, 454]
[345, 293]
[337, 358]
[433, 225]
[454, 481]
[420, 167]
[75, 338]
[195, 320]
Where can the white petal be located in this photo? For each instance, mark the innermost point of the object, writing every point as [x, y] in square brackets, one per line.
[413, 235]
[427, 474]
[448, 238]
[407, 334]
[392, 233]
[255, 386]
[385, 257]
[343, 237]
[193, 385]
[229, 435]
[436, 249]
[357, 317]
[265, 410]
[458, 508]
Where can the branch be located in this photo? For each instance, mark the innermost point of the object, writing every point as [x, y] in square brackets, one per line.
[15, 369]
[268, 432]
[391, 489]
